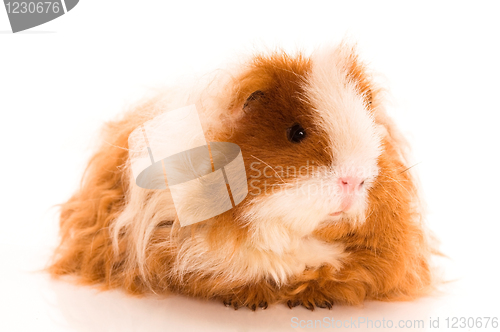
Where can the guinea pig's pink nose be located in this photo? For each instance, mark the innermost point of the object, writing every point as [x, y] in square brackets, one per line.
[350, 184]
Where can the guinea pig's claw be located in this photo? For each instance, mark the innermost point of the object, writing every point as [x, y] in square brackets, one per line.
[263, 305]
[324, 304]
[308, 306]
[292, 304]
[253, 307]
[227, 303]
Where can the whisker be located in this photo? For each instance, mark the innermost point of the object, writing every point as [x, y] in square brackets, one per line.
[116, 146]
[269, 166]
[410, 167]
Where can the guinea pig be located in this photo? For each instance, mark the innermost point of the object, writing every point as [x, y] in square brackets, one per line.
[332, 215]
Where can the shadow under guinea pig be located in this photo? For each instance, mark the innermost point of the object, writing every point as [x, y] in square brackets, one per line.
[87, 309]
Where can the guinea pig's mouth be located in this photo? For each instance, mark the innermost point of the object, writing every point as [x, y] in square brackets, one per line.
[346, 205]
[335, 214]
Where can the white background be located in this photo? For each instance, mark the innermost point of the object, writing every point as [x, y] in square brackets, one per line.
[60, 81]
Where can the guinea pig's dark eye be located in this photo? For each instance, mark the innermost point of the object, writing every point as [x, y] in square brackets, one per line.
[254, 96]
[295, 133]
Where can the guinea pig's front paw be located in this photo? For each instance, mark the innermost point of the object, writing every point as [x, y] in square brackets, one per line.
[310, 302]
[254, 296]
[237, 303]
[309, 298]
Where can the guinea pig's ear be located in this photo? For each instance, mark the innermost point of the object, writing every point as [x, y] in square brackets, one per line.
[248, 91]
[358, 73]
[254, 98]
[243, 104]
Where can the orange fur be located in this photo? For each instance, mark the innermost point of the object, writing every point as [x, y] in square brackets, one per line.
[388, 255]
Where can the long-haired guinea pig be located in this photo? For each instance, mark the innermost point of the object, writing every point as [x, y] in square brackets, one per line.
[332, 215]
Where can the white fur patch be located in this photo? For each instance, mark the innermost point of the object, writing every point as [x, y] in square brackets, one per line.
[355, 140]
[251, 263]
